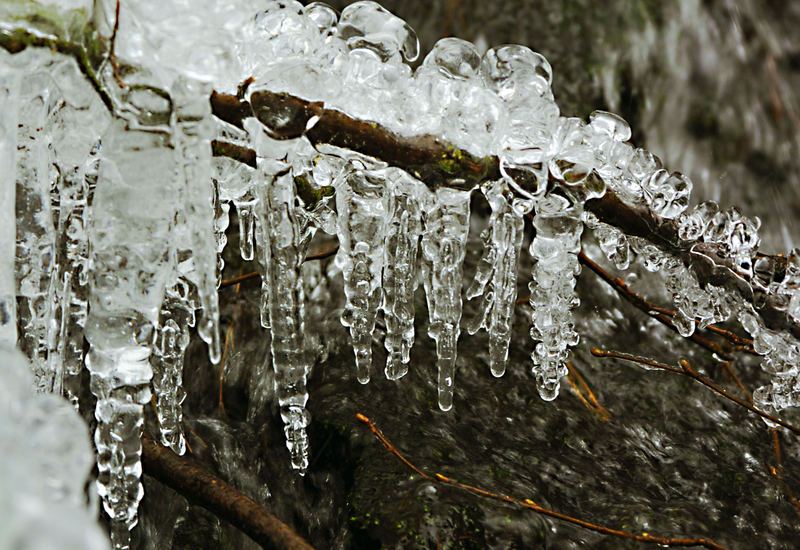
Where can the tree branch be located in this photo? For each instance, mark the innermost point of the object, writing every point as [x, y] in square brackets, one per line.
[686, 369]
[207, 490]
[438, 163]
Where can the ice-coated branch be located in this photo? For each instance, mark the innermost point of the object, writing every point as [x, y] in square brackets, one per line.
[436, 162]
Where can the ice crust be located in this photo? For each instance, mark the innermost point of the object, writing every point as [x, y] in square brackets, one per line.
[122, 219]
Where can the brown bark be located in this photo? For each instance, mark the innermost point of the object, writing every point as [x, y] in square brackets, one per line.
[202, 487]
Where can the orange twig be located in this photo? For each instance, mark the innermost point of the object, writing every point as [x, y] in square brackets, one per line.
[228, 342]
[239, 279]
[531, 505]
[687, 370]
[729, 369]
[575, 379]
[777, 471]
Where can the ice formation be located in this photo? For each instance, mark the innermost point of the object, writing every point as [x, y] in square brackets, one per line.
[44, 466]
[122, 210]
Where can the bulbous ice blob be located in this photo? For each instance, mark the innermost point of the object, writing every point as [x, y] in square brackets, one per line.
[742, 232]
[614, 126]
[323, 16]
[525, 171]
[691, 226]
[557, 218]
[454, 58]
[278, 32]
[573, 159]
[667, 194]
[369, 25]
[512, 70]
[643, 164]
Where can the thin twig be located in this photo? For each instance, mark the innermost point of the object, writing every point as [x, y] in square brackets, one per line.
[777, 471]
[255, 274]
[202, 487]
[727, 365]
[531, 505]
[662, 315]
[590, 401]
[687, 370]
[111, 55]
[239, 279]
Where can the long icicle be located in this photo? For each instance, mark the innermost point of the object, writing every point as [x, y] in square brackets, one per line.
[132, 211]
[444, 246]
[496, 277]
[554, 250]
[400, 269]
[283, 262]
[362, 204]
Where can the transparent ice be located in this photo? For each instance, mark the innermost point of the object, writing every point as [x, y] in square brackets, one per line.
[121, 214]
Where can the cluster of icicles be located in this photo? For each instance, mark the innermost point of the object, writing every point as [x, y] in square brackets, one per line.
[121, 219]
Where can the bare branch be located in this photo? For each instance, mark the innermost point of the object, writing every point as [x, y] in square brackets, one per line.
[686, 369]
[207, 490]
[531, 505]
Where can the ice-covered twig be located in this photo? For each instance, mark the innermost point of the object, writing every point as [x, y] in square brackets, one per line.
[437, 163]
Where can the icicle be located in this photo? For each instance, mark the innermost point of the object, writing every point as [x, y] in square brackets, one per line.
[612, 241]
[362, 204]
[554, 250]
[444, 245]
[498, 271]
[192, 128]
[172, 338]
[133, 207]
[36, 268]
[9, 90]
[75, 129]
[400, 278]
[244, 211]
[286, 309]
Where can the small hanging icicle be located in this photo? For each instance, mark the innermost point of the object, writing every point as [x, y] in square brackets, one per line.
[444, 246]
[496, 277]
[244, 211]
[554, 250]
[362, 204]
[400, 269]
[172, 339]
[36, 268]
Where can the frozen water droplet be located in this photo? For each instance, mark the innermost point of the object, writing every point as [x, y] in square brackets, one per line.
[513, 71]
[323, 16]
[611, 125]
[454, 58]
[368, 25]
[667, 194]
